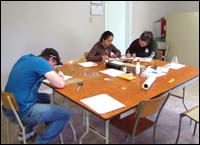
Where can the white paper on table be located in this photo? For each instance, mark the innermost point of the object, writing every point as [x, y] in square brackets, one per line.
[124, 57]
[102, 103]
[117, 62]
[66, 77]
[112, 72]
[174, 65]
[149, 81]
[159, 71]
[88, 64]
[144, 59]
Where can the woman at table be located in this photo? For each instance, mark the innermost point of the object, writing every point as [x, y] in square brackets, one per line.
[103, 49]
[145, 46]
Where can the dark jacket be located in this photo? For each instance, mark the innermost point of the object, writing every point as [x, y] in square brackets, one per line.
[140, 51]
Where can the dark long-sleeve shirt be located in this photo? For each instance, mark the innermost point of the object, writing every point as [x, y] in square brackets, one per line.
[98, 50]
[140, 51]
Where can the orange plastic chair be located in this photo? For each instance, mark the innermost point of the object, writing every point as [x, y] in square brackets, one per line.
[138, 122]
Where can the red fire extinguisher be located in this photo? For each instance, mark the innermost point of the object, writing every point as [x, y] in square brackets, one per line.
[163, 26]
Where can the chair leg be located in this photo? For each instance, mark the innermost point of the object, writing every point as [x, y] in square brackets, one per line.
[84, 117]
[73, 130]
[179, 130]
[67, 104]
[190, 121]
[61, 138]
[133, 139]
[126, 137]
[154, 133]
[8, 131]
[24, 134]
[195, 126]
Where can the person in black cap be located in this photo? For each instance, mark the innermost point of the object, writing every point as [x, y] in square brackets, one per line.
[50, 52]
[142, 47]
[24, 81]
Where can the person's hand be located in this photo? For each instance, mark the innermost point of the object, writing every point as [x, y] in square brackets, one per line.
[105, 57]
[113, 55]
[134, 55]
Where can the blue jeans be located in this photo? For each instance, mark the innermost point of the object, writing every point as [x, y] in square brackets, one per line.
[55, 117]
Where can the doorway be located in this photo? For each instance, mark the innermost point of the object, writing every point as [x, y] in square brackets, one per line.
[118, 21]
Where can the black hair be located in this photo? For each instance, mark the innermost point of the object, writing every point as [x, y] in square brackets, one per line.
[106, 35]
[147, 36]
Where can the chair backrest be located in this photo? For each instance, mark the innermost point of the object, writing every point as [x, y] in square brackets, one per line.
[163, 46]
[150, 107]
[85, 54]
[74, 61]
[192, 113]
[9, 100]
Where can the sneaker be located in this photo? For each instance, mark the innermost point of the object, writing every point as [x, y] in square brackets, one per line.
[28, 135]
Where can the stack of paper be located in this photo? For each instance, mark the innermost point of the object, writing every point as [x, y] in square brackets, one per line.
[112, 72]
[88, 64]
[174, 65]
[155, 71]
[124, 58]
[145, 59]
[102, 103]
[117, 62]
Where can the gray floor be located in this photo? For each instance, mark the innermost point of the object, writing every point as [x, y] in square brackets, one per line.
[166, 130]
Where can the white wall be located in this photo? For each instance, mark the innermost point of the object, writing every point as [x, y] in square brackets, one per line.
[183, 35]
[146, 12]
[28, 27]
[115, 22]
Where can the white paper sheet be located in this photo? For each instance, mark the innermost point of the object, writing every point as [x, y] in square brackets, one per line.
[159, 71]
[66, 77]
[117, 62]
[112, 72]
[144, 59]
[102, 103]
[149, 81]
[124, 57]
[88, 64]
[174, 65]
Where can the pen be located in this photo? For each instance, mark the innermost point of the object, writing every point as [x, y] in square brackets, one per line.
[80, 84]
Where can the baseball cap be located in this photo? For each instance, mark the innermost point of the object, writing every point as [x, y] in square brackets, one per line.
[146, 37]
[50, 52]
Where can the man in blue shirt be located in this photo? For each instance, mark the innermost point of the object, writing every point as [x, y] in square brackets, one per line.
[24, 81]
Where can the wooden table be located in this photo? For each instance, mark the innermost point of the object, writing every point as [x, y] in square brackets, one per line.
[130, 93]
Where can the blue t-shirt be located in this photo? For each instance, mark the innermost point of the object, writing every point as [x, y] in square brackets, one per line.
[25, 79]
